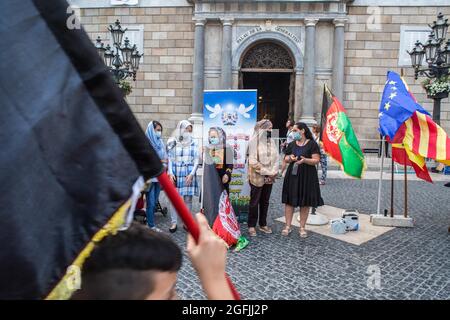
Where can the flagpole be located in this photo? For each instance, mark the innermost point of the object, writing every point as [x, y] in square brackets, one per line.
[187, 218]
[203, 180]
[381, 176]
[406, 192]
[402, 73]
[392, 186]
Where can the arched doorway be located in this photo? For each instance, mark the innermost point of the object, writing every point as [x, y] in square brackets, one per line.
[269, 68]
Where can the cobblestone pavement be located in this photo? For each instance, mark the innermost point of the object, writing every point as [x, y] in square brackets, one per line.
[414, 263]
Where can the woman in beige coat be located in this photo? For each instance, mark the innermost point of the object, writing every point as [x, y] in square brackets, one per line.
[262, 169]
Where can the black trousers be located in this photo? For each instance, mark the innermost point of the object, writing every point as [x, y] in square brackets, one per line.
[259, 199]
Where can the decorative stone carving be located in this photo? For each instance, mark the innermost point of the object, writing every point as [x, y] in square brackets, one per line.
[267, 56]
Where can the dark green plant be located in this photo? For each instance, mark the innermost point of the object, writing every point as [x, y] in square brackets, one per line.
[125, 86]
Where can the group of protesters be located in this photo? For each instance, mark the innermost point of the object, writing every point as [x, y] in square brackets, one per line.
[124, 266]
[301, 154]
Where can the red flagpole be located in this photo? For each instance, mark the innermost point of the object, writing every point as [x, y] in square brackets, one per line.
[186, 217]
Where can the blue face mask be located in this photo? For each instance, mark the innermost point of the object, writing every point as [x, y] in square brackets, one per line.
[296, 136]
[214, 140]
[158, 134]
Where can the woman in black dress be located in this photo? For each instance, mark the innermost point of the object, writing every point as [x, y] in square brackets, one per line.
[301, 183]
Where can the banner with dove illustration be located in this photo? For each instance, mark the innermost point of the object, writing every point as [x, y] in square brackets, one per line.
[235, 111]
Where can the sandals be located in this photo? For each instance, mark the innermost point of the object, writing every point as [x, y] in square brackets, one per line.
[303, 233]
[173, 228]
[286, 231]
[265, 229]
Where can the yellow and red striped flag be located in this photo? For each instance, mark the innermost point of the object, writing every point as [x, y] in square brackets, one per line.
[403, 155]
[410, 129]
[427, 139]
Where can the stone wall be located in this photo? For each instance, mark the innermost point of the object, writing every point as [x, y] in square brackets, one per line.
[163, 89]
[369, 54]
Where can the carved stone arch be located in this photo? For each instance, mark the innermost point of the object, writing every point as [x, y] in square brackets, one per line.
[268, 36]
[267, 55]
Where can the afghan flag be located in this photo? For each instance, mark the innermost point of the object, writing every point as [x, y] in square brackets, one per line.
[73, 155]
[338, 138]
[217, 207]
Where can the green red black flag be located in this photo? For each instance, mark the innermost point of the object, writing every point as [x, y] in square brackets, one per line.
[71, 151]
[338, 138]
[217, 207]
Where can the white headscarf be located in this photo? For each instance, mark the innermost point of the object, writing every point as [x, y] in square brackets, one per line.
[181, 135]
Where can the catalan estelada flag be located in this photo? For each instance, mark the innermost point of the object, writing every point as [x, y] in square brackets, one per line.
[338, 138]
[71, 151]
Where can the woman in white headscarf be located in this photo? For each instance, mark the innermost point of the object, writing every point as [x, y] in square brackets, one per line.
[184, 156]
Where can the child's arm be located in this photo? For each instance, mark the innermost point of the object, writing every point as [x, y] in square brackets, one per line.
[209, 258]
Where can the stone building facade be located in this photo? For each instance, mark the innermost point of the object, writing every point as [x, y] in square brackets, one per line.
[285, 49]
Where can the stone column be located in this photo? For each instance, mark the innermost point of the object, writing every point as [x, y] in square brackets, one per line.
[235, 79]
[198, 78]
[226, 80]
[298, 94]
[309, 72]
[338, 58]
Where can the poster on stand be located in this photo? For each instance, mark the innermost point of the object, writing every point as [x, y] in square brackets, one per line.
[235, 111]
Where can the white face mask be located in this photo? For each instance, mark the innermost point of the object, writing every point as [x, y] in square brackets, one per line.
[186, 136]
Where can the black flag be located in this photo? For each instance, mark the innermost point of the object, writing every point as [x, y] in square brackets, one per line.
[217, 206]
[71, 151]
[326, 102]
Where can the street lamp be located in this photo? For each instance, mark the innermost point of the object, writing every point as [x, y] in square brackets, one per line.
[122, 60]
[440, 27]
[108, 56]
[431, 48]
[417, 54]
[100, 48]
[135, 59]
[447, 52]
[127, 50]
[437, 56]
[116, 32]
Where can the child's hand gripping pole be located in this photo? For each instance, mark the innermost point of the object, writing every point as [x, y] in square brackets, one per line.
[186, 217]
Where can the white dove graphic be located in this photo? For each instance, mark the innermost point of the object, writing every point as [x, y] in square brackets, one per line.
[244, 111]
[214, 111]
